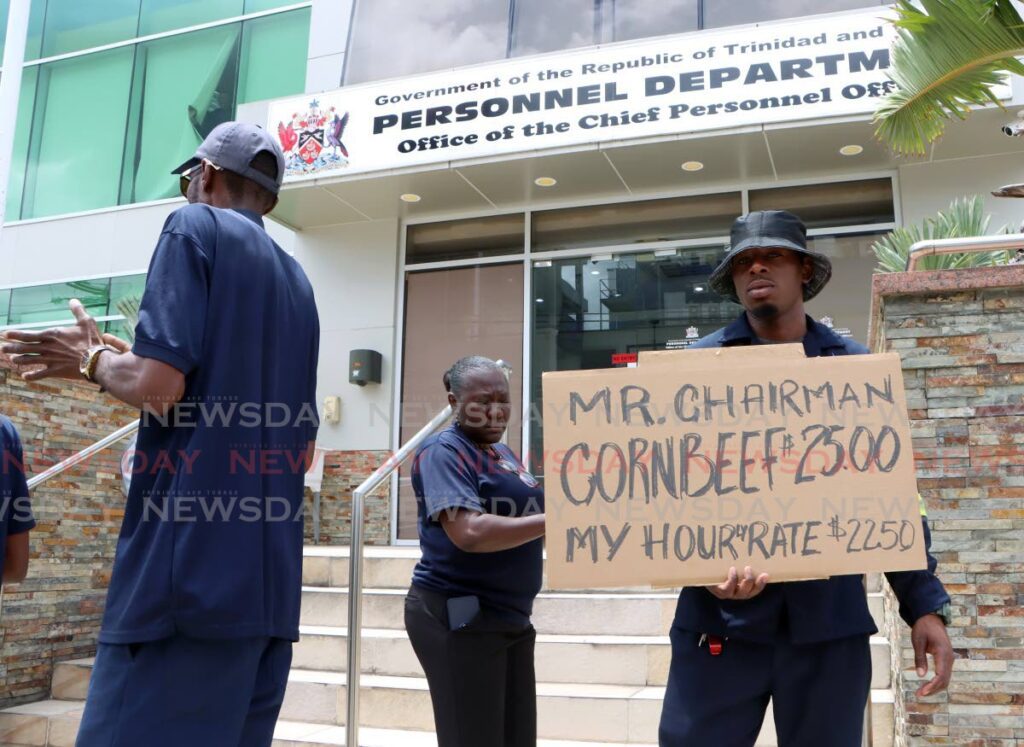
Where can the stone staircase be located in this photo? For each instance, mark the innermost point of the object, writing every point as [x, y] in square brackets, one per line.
[602, 661]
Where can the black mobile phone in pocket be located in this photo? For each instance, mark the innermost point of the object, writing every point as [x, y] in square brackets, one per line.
[462, 611]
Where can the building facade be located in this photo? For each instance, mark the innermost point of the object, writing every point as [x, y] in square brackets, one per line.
[550, 184]
[586, 237]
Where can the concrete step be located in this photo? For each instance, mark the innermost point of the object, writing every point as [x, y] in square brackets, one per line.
[634, 613]
[383, 567]
[606, 660]
[390, 570]
[556, 613]
[609, 660]
[603, 660]
[595, 712]
[54, 723]
[565, 710]
[624, 713]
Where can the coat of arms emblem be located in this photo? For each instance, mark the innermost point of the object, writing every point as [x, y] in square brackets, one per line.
[311, 141]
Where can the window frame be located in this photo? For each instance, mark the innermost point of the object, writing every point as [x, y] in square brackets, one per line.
[36, 116]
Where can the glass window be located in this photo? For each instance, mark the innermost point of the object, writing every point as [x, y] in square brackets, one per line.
[5, 302]
[586, 311]
[633, 222]
[846, 302]
[167, 15]
[49, 303]
[638, 19]
[542, 26]
[124, 290]
[274, 52]
[391, 38]
[80, 24]
[35, 28]
[77, 135]
[184, 87]
[465, 239]
[22, 131]
[831, 205]
[122, 329]
[730, 12]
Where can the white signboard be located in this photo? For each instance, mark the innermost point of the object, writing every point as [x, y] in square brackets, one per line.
[788, 71]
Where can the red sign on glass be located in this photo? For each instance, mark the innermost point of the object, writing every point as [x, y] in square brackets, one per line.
[619, 358]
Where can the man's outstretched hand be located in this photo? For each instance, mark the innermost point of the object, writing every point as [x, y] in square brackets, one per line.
[929, 636]
[55, 352]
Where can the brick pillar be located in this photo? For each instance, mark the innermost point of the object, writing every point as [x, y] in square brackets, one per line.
[960, 335]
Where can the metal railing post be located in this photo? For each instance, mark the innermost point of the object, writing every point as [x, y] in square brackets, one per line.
[355, 569]
[354, 670]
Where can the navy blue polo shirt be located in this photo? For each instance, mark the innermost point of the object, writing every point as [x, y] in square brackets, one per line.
[211, 544]
[452, 472]
[15, 508]
[805, 611]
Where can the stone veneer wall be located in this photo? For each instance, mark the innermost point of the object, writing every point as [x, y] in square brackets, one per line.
[960, 335]
[55, 614]
[343, 472]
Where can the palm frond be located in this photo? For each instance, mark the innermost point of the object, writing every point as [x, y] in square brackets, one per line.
[129, 308]
[947, 57]
[964, 217]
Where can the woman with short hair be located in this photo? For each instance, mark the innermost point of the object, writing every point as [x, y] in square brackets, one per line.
[481, 519]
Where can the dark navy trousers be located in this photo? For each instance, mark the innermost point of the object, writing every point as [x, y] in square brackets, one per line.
[818, 692]
[180, 692]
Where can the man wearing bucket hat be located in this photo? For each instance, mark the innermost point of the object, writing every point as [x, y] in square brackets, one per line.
[804, 645]
[203, 604]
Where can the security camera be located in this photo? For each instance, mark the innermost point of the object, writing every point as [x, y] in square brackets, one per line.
[1016, 127]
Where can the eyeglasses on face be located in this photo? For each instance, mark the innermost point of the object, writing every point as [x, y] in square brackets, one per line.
[186, 178]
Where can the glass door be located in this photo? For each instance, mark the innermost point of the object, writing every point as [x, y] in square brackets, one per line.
[601, 311]
[449, 314]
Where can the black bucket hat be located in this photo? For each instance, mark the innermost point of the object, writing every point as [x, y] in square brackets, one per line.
[763, 229]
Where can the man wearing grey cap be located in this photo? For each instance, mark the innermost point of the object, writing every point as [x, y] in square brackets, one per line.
[804, 645]
[203, 604]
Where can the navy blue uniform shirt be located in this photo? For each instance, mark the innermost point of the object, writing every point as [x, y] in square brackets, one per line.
[211, 544]
[15, 509]
[451, 472]
[805, 611]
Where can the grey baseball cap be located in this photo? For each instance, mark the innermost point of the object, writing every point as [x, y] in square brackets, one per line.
[233, 146]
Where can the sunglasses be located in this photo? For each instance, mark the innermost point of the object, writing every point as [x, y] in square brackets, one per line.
[186, 178]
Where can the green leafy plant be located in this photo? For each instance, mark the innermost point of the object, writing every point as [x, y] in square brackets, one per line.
[129, 307]
[964, 217]
[947, 57]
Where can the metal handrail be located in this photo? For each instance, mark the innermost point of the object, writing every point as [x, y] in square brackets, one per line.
[355, 562]
[932, 247]
[70, 462]
[84, 454]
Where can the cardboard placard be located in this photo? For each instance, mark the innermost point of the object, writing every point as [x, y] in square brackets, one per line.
[669, 473]
[708, 356]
